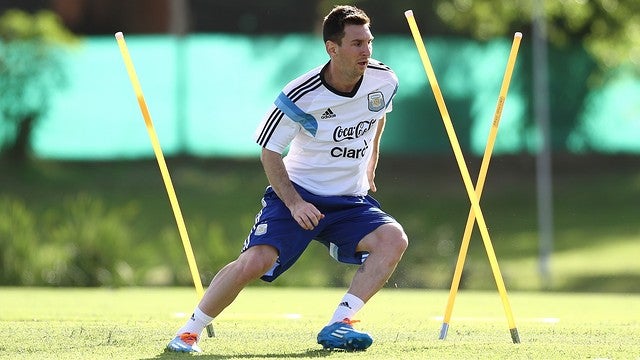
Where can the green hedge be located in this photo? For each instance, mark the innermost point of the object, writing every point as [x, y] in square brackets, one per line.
[110, 224]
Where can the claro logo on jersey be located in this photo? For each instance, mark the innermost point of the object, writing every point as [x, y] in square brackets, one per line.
[349, 133]
[346, 152]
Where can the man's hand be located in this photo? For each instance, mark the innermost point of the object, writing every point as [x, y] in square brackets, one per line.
[371, 175]
[305, 214]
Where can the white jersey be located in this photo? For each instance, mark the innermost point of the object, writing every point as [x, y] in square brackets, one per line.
[329, 133]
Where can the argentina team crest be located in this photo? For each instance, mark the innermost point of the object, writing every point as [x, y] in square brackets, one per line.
[376, 101]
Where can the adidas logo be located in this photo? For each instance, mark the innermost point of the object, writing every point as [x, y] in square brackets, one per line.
[344, 303]
[328, 114]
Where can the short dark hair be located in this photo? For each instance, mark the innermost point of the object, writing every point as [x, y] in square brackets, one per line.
[338, 17]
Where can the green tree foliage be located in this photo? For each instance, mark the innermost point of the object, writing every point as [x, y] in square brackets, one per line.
[16, 266]
[82, 242]
[608, 29]
[31, 70]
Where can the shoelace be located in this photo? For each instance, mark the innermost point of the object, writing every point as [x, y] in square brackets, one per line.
[349, 321]
[189, 338]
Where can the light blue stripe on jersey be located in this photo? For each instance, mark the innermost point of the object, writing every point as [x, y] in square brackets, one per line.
[296, 114]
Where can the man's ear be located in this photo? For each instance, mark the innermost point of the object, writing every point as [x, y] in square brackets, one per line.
[331, 47]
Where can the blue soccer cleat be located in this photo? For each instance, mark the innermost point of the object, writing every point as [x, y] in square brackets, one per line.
[185, 342]
[342, 335]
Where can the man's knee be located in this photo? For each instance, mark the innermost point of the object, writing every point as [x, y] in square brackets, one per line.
[257, 260]
[397, 240]
[388, 238]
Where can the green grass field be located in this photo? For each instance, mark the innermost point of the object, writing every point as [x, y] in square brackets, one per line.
[277, 323]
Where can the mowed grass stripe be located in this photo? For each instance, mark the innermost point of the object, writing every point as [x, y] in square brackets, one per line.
[282, 323]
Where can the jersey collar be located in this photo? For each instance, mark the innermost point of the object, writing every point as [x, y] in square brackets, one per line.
[349, 94]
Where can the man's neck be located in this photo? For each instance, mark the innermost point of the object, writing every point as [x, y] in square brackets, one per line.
[338, 80]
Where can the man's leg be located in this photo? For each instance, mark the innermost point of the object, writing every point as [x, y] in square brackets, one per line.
[224, 288]
[385, 246]
[231, 279]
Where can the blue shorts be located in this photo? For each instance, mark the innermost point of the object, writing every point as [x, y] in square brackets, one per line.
[347, 219]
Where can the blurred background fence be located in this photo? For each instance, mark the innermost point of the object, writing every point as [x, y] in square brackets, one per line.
[206, 94]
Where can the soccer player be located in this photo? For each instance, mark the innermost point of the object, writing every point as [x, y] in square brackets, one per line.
[331, 120]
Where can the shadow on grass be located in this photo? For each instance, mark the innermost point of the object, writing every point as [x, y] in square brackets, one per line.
[315, 353]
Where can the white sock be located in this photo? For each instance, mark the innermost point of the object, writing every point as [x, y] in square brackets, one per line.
[198, 321]
[347, 308]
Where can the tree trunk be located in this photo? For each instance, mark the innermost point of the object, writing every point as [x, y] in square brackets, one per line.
[21, 148]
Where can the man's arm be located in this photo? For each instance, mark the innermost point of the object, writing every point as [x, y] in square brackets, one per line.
[304, 213]
[375, 153]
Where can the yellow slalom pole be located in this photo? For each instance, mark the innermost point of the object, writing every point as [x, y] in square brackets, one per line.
[464, 171]
[155, 143]
[486, 159]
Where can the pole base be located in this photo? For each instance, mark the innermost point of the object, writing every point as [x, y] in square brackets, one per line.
[443, 331]
[514, 336]
[210, 332]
